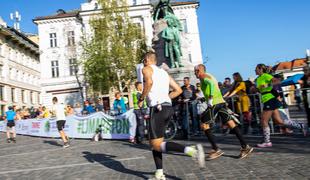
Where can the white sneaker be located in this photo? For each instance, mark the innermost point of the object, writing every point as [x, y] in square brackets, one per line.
[158, 177]
[200, 156]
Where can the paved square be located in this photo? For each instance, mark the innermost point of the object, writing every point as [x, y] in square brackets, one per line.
[44, 158]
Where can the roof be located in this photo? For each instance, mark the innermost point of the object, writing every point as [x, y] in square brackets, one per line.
[179, 3]
[9, 31]
[288, 65]
[74, 13]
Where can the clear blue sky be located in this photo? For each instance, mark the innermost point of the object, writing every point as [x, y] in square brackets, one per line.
[235, 34]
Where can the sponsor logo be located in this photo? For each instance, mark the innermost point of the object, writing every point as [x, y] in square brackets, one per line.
[108, 126]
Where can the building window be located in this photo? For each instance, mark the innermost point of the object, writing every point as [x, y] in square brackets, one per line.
[184, 23]
[55, 69]
[190, 57]
[1, 69]
[39, 94]
[31, 97]
[53, 40]
[13, 95]
[134, 2]
[2, 109]
[71, 39]
[73, 66]
[1, 93]
[24, 96]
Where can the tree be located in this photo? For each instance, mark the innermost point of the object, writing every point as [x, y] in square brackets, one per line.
[114, 49]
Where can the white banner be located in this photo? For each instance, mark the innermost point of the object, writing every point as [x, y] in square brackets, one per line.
[119, 127]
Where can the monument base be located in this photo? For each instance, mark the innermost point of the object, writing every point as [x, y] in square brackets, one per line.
[178, 75]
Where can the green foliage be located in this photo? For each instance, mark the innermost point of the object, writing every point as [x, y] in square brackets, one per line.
[116, 46]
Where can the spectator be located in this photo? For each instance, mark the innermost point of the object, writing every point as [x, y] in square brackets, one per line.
[78, 109]
[243, 102]
[139, 112]
[199, 93]
[188, 96]
[46, 113]
[88, 109]
[99, 105]
[119, 105]
[18, 114]
[226, 86]
[69, 110]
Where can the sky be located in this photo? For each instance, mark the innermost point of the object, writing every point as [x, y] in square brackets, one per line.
[235, 34]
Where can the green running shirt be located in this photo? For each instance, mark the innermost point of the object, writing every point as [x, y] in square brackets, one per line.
[263, 80]
[209, 87]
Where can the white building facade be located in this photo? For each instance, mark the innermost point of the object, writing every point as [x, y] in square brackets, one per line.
[60, 36]
[19, 70]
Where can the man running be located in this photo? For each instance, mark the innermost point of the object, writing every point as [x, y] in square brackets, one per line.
[157, 83]
[10, 117]
[217, 107]
[58, 110]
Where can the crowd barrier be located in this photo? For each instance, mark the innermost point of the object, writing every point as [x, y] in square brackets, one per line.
[84, 127]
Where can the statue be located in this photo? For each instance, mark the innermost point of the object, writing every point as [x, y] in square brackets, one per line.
[171, 34]
[161, 9]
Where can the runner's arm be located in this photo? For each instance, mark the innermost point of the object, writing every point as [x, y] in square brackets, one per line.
[176, 89]
[148, 82]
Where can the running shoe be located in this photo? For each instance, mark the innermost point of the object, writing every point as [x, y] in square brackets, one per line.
[200, 155]
[197, 153]
[264, 144]
[66, 145]
[158, 176]
[13, 140]
[213, 154]
[8, 140]
[244, 152]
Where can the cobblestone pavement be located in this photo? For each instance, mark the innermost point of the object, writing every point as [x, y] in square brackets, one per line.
[44, 158]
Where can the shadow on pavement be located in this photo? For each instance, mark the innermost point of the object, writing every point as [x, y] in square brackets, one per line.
[138, 146]
[108, 161]
[54, 143]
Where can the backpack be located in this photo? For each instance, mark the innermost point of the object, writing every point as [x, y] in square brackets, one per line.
[248, 85]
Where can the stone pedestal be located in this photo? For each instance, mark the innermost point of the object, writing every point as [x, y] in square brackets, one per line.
[178, 74]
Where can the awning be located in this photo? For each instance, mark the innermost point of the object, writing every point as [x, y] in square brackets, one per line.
[292, 80]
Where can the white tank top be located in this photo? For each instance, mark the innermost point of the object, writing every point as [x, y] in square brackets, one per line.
[159, 92]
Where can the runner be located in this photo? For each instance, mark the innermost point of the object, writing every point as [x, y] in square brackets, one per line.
[156, 88]
[217, 107]
[58, 110]
[10, 117]
[271, 105]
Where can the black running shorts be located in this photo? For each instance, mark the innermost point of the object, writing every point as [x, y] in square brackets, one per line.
[158, 121]
[272, 104]
[10, 124]
[218, 111]
[61, 125]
